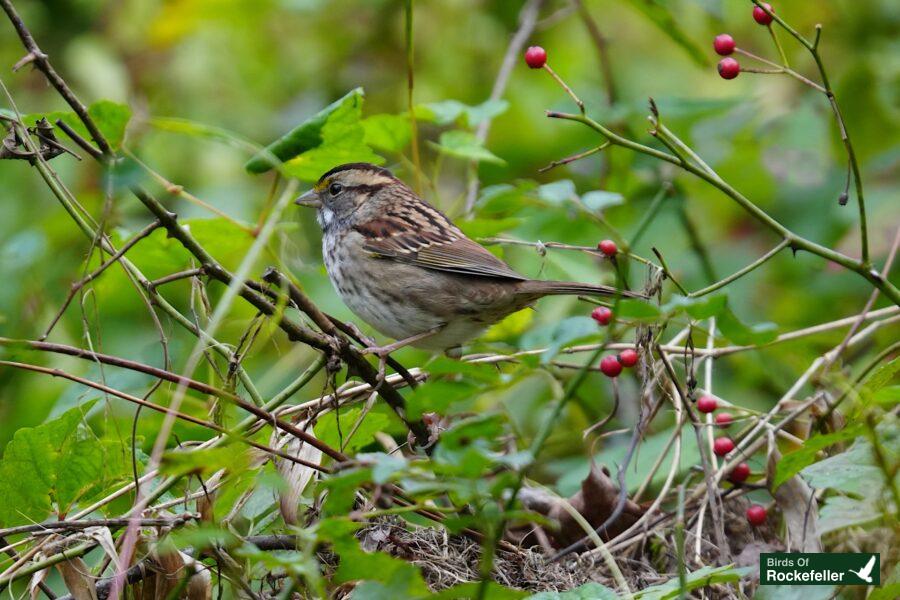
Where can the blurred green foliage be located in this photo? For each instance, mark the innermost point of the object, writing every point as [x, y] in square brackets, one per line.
[209, 84]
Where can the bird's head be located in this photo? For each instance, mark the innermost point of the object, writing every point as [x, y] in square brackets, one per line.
[350, 193]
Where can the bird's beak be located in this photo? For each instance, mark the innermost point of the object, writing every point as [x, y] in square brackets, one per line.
[310, 199]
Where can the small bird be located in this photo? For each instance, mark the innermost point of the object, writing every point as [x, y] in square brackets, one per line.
[405, 269]
[866, 572]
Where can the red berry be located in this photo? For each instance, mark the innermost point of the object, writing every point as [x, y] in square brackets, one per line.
[707, 404]
[608, 247]
[610, 366]
[724, 420]
[628, 357]
[535, 57]
[723, 44]
[756, 514]
[602, 315]
[761, 16]
[729, 68]
[722, 446]
[739, 473]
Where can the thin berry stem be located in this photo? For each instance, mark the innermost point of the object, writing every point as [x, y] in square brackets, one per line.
[795, 241]
[574, 157]
[813, 48]
[784, 60]
[738, 274]
[565, 87]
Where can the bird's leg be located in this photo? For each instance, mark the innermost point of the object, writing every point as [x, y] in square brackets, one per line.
[357, 333]
[382, 352]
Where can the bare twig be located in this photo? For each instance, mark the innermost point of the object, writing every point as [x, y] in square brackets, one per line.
[528, 17]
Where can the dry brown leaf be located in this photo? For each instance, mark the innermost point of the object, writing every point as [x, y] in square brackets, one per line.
[296, 476]
[79, 581]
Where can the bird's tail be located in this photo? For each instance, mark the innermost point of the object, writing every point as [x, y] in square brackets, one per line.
[572, 288]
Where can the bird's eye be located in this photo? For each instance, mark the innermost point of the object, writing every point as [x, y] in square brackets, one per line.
[335, 188]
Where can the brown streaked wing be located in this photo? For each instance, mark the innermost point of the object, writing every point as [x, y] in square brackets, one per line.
[434, 244]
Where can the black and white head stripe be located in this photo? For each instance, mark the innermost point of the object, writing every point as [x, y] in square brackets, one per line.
[368, 168]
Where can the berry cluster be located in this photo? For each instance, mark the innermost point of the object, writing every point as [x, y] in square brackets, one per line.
[723, 445]
[724, 44]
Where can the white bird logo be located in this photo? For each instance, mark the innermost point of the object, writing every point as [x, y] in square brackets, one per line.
[866, 572]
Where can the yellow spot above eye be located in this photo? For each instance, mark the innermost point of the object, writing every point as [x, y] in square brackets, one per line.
[321, 186]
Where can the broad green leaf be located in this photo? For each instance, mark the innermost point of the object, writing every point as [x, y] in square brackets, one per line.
[342, 141]
[883, 375]
[439, 395]
[234, 457]
[333, 430]
[840, 512]
[704, 307]
[450, 111]
[694, 580]
[383, 577]
[330, 137]
[887, 397]
[745, 335]
[386, 465]
[110, 117]
[856, 471]
[161, 255]
[467, 448]
[390, 133]
[588, 591]
[794, 462]
[716, 305]
[795, 592]
[49, 467]
[462, 144]
[637, 309]
[599, 200]
[558, 191]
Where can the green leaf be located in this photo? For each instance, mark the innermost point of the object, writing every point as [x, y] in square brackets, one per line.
[854, 471]
[438, 395]
[450, 111]
[716, 305]
[462, 144]
[883, 375]
[333, 430]
[558, 191]
[840, 512]
[599, 200]
[331, 137]
[234, 457]
[795, 592]
[51, 466]
[588, 591]
[659, 14]
[794, 462]
[111, 119]
[638, 310]
[694, 580]
[390, 133]
[698, 308]
[744, 335]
